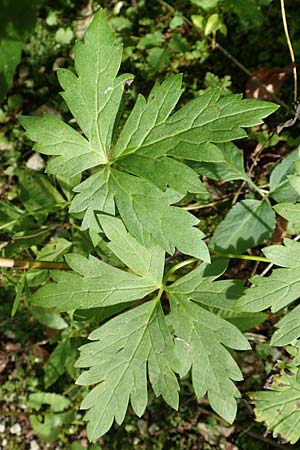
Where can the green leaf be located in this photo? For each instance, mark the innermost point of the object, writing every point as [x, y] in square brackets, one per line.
[154, 39]
[99, 315]
[52, 251]
[176, 21]
[199, 285]
[149, 216]
[207, 118]
[244, 321]
[230, 167]
[158, 58]
[201, 337]
[37, 193]
[278, 407]
[73, 152]
[124, 349]
[94, 96]
[198, 21]
[49, 428]
[280, 288]
[143, 149]
[147, 262]
[64, 36]
[56, 402]
[10, 215]
[93, 195]
[55, 365]
[248, 223]
[49, 318]
[164, 172]
[214, 23]
[146, 210]
[94, 283]
[178, 44]
[277, 291]
[289, 211]
[146, 115]
[288, 256]
[212, 81]
[280, 188]
[201, 346]
[206, 4]
[17, 20]
[19, 292]
[288, 329]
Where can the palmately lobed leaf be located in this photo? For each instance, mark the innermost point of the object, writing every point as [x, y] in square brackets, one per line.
[139, 172]
[151, 147]
[140, 342]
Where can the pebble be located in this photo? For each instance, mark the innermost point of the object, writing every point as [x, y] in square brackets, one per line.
[35, 162]
[34, 445]
[16, 429]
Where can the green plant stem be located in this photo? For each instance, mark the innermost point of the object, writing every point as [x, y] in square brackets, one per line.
[289, 44]
[206, 205]
[234, 256]
[31, 264]
[255, 188]
[179, 266]
[186, 262]
[53, 265]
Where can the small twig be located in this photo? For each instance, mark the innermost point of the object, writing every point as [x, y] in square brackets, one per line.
[253, 271]
[46, 230]
[60, 205]
[267, 269]
[250, 433]
[288, 40]
[238, 192]
[267, 440]
[31, 264]
[254, 78]
[27, 413]
[206, 205]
